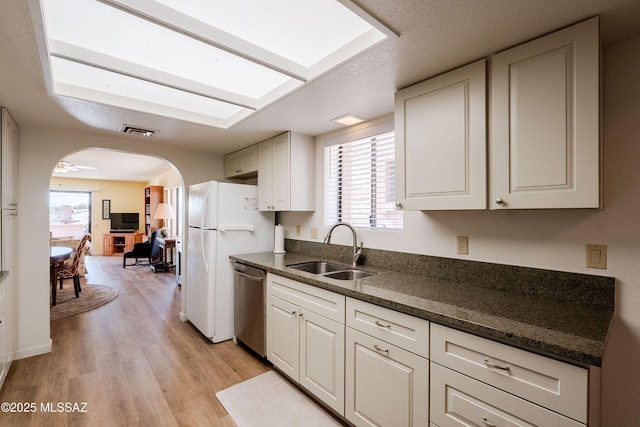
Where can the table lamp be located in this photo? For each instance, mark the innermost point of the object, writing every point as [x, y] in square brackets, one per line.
[164, 212]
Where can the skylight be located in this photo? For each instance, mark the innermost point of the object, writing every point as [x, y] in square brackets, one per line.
[203, 61]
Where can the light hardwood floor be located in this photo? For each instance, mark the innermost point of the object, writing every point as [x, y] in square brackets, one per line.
[133, 361]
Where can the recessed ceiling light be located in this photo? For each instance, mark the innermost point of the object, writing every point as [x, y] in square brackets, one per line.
[348, 120]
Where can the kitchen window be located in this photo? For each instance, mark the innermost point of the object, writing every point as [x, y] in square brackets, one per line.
[360, 179]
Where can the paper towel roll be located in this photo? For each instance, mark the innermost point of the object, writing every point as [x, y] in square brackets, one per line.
[278, 247]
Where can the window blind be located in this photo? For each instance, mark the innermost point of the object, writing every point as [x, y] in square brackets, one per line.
[360, 183]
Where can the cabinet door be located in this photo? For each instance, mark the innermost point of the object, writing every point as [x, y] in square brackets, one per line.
[9, 241]
[249, 159]
[441, 141]
[241, 163]
[282, 172]
[545, 115]
[10, 283]
[232, 164]
[129, 242]
[283, 336]
[107, 245]
[4, 345]
[265, 176]
[9, 161]
[322, 358]
[385, 385]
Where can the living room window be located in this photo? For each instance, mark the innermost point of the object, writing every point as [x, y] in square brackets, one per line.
[360, 179]
[69, 213]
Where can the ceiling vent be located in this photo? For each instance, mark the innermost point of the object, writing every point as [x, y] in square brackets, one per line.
[133, 130]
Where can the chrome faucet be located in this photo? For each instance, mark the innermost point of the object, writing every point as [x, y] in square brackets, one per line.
[357, 252]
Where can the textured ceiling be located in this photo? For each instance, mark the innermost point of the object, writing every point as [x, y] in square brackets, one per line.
[436, 36]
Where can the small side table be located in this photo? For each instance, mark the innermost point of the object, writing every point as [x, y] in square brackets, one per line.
[167, 244]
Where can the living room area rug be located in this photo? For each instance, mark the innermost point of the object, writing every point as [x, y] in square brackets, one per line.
[270, 400]
[92, 296]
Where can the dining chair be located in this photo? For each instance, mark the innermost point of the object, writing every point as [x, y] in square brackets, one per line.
[71, 271]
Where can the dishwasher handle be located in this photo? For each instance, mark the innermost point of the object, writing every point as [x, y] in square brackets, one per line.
[248, 276]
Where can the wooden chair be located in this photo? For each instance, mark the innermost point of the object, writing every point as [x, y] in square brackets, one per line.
[71, 271]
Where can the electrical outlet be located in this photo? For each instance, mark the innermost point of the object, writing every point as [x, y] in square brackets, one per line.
[297, 230]
[314, 232]
[462, 243]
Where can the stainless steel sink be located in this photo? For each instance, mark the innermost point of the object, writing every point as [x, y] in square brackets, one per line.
[331, 270]
[349, 274]
[317, 267]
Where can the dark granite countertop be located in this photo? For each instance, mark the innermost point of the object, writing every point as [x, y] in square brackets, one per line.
[564, 330]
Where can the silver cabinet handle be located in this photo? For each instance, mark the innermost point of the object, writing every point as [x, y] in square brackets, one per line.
[486, 422]
[499, 201]
[495, 366]
[381, 350]
[382, 325]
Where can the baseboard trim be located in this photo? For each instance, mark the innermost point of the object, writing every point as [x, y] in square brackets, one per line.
[183, 316]
[34, 351]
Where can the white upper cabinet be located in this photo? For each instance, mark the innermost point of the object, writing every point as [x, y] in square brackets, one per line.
[543, 147]
[242, 163]
[286, 173]
[440, 129]
[9, 161]
[544, 128]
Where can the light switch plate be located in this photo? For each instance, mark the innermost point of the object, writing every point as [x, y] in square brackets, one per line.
[597, 256]
[314, 232]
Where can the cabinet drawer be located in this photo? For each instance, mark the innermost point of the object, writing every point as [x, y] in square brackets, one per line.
[402, 330]
[547, 382]
[320, 301]
[457, 400]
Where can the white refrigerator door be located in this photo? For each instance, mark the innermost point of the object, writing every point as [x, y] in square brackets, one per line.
[201, 251]
[241, 229]
[203, 205]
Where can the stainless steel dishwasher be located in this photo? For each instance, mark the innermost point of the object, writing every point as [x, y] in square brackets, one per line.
[249, 299]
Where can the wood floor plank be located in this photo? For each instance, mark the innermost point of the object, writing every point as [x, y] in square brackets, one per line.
[133, 361]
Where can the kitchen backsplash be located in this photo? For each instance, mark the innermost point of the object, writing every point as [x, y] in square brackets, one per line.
[563, 286]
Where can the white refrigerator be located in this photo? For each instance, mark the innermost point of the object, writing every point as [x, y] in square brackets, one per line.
[223, 220]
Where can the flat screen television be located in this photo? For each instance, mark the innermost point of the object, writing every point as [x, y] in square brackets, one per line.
[125, 222]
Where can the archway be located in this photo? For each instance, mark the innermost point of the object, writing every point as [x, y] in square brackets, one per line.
[116, 182]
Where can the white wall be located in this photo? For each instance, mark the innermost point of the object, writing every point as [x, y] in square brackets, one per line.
[38, 152]
[552, 239]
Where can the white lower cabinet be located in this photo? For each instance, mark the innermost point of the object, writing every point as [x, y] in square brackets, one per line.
[305, 338]
[322, 358]
[283, 336]
[386, 385]
[4, 347]
[458, 400]
[476, 381]
[387, 368]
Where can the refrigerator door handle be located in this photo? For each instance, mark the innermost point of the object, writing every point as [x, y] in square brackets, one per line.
[236, 227]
